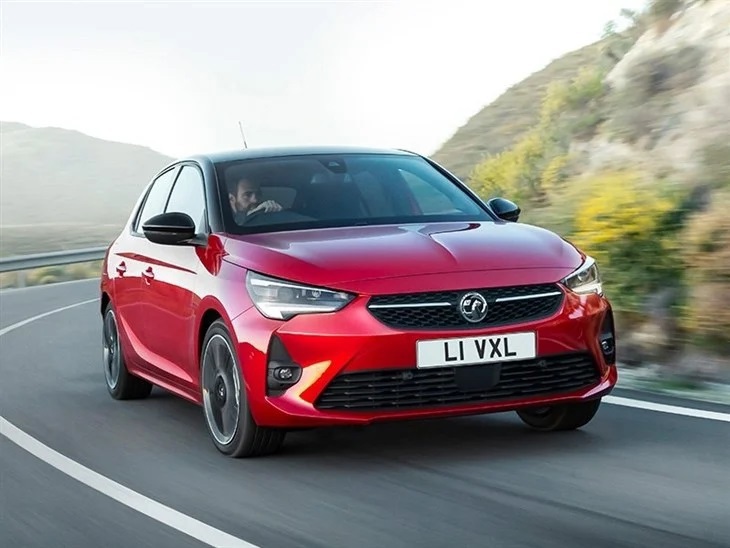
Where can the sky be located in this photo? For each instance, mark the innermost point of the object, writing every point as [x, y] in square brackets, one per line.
[179, 76]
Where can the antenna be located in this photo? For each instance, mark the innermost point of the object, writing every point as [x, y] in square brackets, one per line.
[242, 135]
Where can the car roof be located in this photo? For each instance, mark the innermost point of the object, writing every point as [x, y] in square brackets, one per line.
[273, 152]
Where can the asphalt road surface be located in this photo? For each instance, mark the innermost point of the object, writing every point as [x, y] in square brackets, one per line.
[633, 477]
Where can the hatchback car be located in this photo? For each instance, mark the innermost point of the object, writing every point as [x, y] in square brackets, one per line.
[291, 288]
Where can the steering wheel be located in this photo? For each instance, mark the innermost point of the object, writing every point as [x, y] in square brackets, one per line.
[273, 217]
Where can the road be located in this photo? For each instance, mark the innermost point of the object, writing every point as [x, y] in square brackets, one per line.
[633, 477]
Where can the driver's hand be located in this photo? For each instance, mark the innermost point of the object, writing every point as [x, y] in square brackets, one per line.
[268, 206]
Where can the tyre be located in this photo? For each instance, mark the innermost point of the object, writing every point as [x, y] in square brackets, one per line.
[560, 417]
[120, 383]
[225, 405]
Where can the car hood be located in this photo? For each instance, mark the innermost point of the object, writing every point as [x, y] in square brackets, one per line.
[337, 256]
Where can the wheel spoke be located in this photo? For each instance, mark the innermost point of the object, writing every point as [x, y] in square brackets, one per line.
[228, 418]
[220, 357]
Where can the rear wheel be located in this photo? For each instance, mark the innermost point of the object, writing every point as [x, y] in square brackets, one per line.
[560, 417]
[227, 415]
[120, 383]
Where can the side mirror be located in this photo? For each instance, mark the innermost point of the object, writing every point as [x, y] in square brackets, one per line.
[171, 228]
[504, 209]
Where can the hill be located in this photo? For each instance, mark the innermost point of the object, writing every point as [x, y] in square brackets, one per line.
[498, 125]
[61, 186]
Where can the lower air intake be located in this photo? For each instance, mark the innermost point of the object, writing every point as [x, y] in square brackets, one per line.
[428, 388]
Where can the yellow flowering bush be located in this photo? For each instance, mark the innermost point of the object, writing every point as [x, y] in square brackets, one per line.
[627, 225]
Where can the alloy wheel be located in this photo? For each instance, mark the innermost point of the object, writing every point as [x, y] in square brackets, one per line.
[221, 389]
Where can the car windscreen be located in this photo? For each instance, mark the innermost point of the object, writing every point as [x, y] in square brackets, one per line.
[318, 191]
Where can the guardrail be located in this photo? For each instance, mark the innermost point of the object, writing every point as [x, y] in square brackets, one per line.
[20, 263]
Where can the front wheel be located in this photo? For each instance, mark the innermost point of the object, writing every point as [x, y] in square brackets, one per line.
[560, 417]
[227, 415]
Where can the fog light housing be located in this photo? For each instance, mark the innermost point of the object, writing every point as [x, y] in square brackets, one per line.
[607, 338]
[282, 371]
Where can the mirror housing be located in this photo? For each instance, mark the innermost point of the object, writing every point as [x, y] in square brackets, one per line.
[172, 228]
[504, 209]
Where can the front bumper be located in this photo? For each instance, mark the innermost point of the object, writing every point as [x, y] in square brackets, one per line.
[355, 370]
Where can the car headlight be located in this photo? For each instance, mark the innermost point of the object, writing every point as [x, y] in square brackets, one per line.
[281, 300]
[585, 280]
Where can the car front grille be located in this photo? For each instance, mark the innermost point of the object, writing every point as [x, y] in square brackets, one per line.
[440, 310]
[427, 388]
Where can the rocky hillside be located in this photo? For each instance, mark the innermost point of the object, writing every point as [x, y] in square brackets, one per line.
[498, 125]
[671, 94]
[627, 153]
[62, 187]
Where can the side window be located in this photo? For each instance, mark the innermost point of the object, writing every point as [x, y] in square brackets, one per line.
[430, 199]
[154, 204]
[188, 196]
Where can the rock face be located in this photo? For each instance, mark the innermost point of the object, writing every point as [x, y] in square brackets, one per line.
[681, 70]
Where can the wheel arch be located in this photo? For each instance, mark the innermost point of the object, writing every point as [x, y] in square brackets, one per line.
[210, 311]
[105, 300]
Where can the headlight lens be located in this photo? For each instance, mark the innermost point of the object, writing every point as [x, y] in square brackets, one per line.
[281, 300]
[585, 280]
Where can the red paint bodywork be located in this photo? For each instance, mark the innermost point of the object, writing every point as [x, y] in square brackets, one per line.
[166, 292]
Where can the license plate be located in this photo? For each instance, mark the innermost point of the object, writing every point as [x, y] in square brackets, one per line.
[476, 350]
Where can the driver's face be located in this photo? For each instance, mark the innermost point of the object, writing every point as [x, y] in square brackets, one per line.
[248, 196]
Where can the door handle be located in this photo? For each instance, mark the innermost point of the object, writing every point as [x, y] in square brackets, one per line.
[121, 268]
[148, 274]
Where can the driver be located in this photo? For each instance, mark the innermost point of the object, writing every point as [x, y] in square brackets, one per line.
[247, 200]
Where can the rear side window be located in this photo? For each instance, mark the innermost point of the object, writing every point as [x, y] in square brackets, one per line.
[156, 199]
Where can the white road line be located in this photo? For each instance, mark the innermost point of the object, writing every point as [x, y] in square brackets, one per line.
[155, 510]
[671, 409]
[136, 501]
[182, 522]
[15, 326]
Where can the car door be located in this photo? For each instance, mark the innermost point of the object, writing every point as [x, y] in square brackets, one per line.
[170, 281]
[127, 262]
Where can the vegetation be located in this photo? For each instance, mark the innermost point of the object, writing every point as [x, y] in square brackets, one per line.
[540, 160]
[498, 125]
[629, 225]
[705, 246]
[51, 274]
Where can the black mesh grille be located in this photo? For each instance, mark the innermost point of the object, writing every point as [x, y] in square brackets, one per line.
[421, 388]
[448, 317]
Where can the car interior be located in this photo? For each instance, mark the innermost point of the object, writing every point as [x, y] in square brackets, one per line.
[330, 189]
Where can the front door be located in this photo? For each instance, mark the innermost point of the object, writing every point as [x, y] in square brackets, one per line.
[128, 261]
[170, 280]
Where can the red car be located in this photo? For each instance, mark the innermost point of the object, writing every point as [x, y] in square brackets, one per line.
[301, 287]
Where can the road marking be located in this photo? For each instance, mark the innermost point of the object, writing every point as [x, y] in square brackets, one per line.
[182, 522]
[671, 409]
[15, 326]
[136, 501]
[164, 514]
